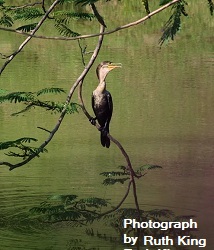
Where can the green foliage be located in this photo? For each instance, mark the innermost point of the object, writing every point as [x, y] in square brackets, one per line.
[147, 167]
[61, 18]
[66, 16]
[28, 27]
[112, 177]
[64, 30]
[8, 144]
[27, 13]
[50, 91]
[163, 2]
[2, 2]
[30, 99]
[173, 25]
[17, 97]
[146, 6]
[22, 151]
[6, 20]
[211, 6]
[69, 208]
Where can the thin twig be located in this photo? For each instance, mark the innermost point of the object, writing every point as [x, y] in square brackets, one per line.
[30, 36]
[44, 129]
[82, 52]
[24, 6]
[43, 6]
[98, 34]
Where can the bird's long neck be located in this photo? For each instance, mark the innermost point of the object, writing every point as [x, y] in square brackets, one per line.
[102, 84]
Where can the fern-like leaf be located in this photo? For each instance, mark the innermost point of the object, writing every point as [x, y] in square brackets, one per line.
[173, 25]
[9, 144]
[50, 90]
[111, 181]
[65, 16]
[65, 31]
[148, 167]
[6, 20]
[113, 173]
[27, 13]
[17, 97]
[211, 6]
[28, 27]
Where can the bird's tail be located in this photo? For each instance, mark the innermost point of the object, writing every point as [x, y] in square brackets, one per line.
[105, 141]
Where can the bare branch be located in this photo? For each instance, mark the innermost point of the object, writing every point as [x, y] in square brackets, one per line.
[98, 34]
[25, 6]
[29, 36]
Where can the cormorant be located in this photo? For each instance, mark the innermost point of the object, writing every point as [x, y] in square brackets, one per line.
[102, 101]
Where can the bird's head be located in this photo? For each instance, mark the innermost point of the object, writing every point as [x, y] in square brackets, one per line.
[104, 68]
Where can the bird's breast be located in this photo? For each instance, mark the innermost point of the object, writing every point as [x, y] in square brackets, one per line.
[99, 99]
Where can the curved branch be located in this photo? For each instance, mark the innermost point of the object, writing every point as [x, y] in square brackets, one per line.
[52, 133]
[98, 34]
[29, 36]
[121, 202]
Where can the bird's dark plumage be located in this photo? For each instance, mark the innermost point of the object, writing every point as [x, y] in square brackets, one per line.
[102, 101]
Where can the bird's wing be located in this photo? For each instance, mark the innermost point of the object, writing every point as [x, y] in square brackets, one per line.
[92, 102]
[110, 104]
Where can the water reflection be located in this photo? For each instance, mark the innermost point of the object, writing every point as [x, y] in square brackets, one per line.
[68, 222]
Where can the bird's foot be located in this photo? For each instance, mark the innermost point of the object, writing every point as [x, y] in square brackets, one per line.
[92, 121]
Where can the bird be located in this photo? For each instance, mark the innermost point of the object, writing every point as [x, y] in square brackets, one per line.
[102, 101]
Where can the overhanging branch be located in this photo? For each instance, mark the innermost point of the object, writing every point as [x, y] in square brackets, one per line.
[98, 34]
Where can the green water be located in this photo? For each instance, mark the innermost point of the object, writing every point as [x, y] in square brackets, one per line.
[163, 104]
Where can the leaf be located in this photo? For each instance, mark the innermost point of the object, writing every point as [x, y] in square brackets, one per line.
[17, 97]
[163, 2]
[8, 144]
[211, 6]
[2, 2]
[27, 13]
[113, 173]
[173, 25]
[65, 16]
[110, 181]
[28, 27]
[6, 20]
[50, 90]
[148, 167]
[65, 31]
[146, 5]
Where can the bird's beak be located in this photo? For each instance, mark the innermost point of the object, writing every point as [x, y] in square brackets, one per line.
[114, 65]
